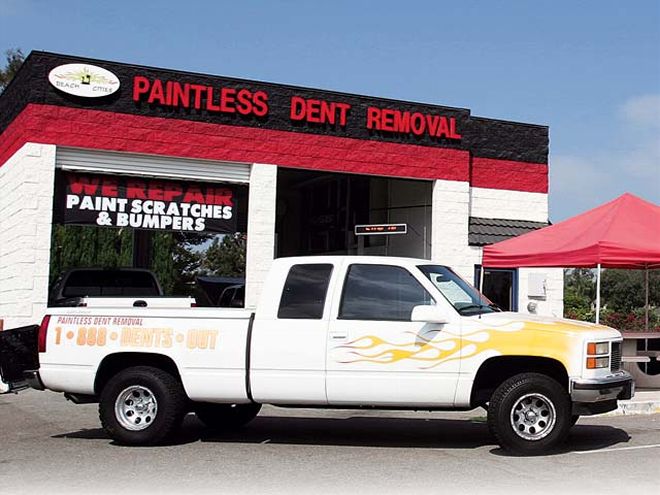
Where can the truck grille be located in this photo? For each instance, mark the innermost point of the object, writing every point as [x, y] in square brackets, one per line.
[615, 363]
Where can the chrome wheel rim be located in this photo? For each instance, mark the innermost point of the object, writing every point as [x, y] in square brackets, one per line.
[136, 408]
[533, 417]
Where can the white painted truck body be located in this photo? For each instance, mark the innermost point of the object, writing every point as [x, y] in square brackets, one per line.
[431, 358]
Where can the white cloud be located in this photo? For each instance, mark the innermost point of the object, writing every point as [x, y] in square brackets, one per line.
[628, 163]
[642, 111]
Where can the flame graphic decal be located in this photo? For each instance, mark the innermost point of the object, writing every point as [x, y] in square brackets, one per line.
[438, 347]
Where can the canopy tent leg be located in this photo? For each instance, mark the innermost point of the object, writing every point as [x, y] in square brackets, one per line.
[598, 295]
[646, 299]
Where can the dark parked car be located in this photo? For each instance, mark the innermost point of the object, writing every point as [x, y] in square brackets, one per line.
[72, 286]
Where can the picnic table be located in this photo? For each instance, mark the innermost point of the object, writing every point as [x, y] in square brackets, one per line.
[633, 358]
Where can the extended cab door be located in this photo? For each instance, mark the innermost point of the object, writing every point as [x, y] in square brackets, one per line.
[376, 354]
[289, 339]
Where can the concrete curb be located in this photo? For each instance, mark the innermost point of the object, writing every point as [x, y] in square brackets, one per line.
[644, 402]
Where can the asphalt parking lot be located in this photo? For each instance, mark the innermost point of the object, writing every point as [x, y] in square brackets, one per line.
[49, 445]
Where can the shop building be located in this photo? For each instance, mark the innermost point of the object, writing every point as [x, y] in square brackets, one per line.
[153, 155]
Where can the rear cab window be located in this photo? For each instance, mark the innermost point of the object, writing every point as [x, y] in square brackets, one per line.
[305, 291]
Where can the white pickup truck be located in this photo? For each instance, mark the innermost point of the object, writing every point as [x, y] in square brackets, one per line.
[333, 332]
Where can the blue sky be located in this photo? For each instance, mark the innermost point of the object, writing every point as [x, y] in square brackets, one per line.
[588, 69]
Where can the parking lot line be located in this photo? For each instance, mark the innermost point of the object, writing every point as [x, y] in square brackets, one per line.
[618, 449]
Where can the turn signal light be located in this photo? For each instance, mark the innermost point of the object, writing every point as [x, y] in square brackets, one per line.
[598, 348]
[595, 363]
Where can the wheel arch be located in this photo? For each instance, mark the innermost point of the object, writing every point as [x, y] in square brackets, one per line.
[494, 371]
[116, 362]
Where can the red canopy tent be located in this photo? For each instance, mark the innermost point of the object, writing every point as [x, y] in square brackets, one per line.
[624, 233]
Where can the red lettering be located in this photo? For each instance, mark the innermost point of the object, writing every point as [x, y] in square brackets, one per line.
[373, 118]
[452, 129]
[443, 131]
[244, 102]
[388, 118]
[168, 92]
[172, 191]
[193, 195]
[314, 111]
[109, 188]
[432, 121]
[135, 190]
[181, 96]
[156, 92]
[83, 185]
[297, 108]
[210, 106]
[260, 101]
[223, 197]
[155, 191]
[417, 123]
[140, 87]
[198, 89]
[402, 122]
[328, 112]
[343, 112]
[227, 100]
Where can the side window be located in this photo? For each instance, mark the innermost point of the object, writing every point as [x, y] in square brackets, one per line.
[304, 292]
[381, 292]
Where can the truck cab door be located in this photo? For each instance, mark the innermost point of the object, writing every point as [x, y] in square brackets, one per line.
[378, 356]
[289, 339]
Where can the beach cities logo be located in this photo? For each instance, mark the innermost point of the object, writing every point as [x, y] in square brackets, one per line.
[143, 203]
[88, 81]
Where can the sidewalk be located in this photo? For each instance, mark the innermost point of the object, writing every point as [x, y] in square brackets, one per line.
[644, 402]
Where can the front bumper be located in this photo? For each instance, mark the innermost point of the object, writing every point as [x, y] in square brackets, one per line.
[599, 395]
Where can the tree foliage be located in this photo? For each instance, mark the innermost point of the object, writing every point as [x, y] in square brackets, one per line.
[13, 60]
[227, 257]
[622, 297]
[624, 290]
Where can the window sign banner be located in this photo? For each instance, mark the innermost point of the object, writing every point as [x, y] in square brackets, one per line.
[144, 203]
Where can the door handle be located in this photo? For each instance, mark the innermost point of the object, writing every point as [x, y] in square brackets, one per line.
[338, 335]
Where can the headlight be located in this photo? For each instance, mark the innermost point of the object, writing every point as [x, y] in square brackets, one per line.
[598, 348]
[594, 363]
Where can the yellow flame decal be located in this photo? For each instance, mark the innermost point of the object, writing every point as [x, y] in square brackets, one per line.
[514, 338]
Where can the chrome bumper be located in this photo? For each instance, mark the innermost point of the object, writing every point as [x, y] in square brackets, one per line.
[598, 395]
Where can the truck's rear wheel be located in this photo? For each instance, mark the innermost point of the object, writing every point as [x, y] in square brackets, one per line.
[142, 406]
[226, 416]
[529, 413]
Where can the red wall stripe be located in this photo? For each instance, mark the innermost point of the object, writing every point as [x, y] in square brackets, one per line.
[84, 128]
[510, 175]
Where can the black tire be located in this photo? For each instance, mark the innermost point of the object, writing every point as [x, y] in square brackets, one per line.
[529, 414]
[226, 416]
[574, 419]
[146, 384]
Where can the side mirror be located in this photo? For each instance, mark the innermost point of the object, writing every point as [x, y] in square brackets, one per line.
[429, 314]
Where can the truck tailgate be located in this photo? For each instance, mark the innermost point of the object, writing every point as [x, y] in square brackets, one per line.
[18, 353]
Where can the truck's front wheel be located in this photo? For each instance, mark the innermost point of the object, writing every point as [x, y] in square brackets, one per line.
[529, 413]
[142, 406]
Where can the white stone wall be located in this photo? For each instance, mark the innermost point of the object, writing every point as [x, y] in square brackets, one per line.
[450, 213]
[519, 205]
[512, 205]
[261, 229]
[553, 303]
[27, 183]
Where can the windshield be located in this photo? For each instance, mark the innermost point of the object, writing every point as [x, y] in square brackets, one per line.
[466, 299]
